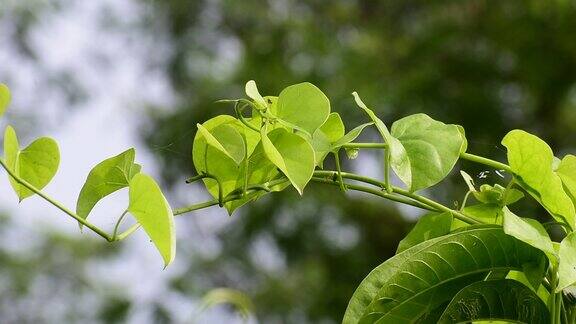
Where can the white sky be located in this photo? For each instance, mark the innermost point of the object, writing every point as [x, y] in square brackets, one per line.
[74, 40]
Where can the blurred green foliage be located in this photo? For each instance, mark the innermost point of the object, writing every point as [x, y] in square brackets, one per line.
[488, 65]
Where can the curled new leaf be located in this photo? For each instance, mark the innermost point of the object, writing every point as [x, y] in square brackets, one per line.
[37, 163]
[252, 92]
[4, 98]
[151, 209]
[105, 178]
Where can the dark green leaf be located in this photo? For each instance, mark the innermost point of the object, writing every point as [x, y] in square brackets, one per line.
[410, 284]
[428, 227]
[505, 299]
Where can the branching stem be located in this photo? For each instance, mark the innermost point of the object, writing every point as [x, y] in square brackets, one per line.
[56, 204]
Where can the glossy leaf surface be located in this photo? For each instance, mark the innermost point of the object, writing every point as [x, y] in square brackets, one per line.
[504, 300]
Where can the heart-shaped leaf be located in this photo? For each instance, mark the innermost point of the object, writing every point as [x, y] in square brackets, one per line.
[303, 105]
[36, 164]
[105, 178]
[4, 98]
[432, 147]
[505, 300]
[292, 154]
[531, 161]
[208, 159]
[151, 209]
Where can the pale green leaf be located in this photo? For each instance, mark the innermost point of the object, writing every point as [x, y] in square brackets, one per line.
[292, 154]
[5, 98]
[498, 195]
[566, 170]
[504, 300]
[253, 93]
[432, 147]
[484, 213]
[469, 181]
[303, 105]
[105, 178]
[399, 160]
[350, 136]
[531, 161]
[567, 266]
[428, 227]
[529, 231]
[36, 164]
[227, 140]
[407, 286]
[151, 209]
[333, 128]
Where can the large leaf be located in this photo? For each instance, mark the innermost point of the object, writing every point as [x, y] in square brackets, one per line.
[432, 147]
[399, 160]
[504, 299]
[529, 231]
[531, 160]
[36, 164]
[567, 266]
[106, 178]
[416, 281]
[428, 227]
[4, 98]
[303, 105]
[150, 208]
[292, 154]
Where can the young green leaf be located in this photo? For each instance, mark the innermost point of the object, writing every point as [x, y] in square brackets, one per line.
[105, 178]
[292, 154]
[350, 136]
[208, 159]
[432, 147]
[469, 181]
[428, 227]
[227, 140]
[303, 105]
[484, 213]
[531, 160]
[399, 160]
[567, 266]
[236, 298]
[567, 172]
[329, 132]
[37, 164]
[253, 93]
[504, 299]
[529, 231]
[150, 208]
[498, 195]
[4, 98]
[410, 284]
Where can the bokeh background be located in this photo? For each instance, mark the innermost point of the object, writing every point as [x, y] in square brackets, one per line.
[101, 76]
